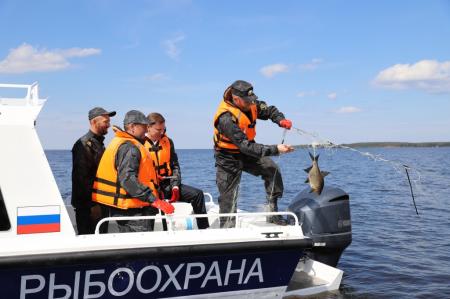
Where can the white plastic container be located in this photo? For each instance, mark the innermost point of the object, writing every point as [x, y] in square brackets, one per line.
[185, 223]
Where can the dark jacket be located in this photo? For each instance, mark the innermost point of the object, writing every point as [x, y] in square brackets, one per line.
[248, 150]
[227, 126]
[127, 162]
[174, 165]
[86, 155]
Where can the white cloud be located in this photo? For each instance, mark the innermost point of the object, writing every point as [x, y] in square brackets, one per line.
[79, 52]
[348, 109]
[156, 77]
[26, 58]
[271, 70]
[312, 65]
[303, 94]
[428, 75]
[332, 96]
[171, 46]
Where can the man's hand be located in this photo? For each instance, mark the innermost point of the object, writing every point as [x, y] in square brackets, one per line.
[286, 123]
[285, 148]
[175, 194]
[164, 206]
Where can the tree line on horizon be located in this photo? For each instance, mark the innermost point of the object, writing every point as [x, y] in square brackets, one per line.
[385, 144]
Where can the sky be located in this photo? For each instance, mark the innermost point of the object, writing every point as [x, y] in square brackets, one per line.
[346, 71]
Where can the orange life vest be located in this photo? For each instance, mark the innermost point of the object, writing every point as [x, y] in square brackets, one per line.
[160, 156]
[107, 189]
[247, 125]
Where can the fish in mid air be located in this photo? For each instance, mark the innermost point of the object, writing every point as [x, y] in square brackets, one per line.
[315, 176]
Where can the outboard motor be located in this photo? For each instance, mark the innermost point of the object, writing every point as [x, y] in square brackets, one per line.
[325, 218]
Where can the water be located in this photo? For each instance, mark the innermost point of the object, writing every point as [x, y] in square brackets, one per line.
[394, 253]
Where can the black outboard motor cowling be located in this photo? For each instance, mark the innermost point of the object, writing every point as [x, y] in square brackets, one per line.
[325, 218]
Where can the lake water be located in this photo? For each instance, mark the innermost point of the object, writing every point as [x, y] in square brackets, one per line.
[394, 253]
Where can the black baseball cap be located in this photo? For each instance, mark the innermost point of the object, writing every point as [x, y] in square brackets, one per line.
[97, 111]
[244, 90]
[135, 117]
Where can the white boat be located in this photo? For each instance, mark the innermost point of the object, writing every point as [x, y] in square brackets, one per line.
[42, 256]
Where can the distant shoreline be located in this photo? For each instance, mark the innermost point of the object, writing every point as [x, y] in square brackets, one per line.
[391, 144]
[352, 145]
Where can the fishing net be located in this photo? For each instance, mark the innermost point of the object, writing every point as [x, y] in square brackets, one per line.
[314, 143]
[412, 174]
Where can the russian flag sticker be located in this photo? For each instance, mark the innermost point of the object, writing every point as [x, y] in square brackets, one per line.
[33, 220]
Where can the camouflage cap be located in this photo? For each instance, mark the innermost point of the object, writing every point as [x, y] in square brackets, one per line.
[244, 90]
[135, 117]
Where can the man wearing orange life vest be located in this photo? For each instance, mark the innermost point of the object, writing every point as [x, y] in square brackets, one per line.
[165, 159]
[237, 151]
[126, 180]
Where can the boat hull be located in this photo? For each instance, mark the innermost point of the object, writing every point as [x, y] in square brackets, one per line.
[255, 269]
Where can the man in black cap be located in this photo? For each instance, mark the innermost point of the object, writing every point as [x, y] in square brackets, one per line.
[237, 151]
[126, 181]
[86, 154]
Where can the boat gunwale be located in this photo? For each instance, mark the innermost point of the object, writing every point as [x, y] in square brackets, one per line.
[193, 250]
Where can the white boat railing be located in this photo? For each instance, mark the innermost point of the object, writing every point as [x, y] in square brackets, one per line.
[32, 96]
[170, 218]
[209, 196]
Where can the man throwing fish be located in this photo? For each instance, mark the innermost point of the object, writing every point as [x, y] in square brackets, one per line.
[237, 151]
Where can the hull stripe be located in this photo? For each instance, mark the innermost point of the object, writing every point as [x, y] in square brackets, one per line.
[38, 228]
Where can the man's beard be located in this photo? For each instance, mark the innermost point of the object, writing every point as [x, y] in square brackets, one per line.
[103, 131]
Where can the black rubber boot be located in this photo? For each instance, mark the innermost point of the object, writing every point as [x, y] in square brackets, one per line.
[275, 219]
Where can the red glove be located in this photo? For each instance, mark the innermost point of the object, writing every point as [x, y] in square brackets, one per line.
[286, 123]
[164, 206]
[175, 194]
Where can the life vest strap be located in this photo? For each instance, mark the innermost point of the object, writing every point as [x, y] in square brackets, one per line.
[111, 194]
[162, 166]
[106, 182]
[116, 195]
[155, 149]
[225, 140]
[222, 149]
